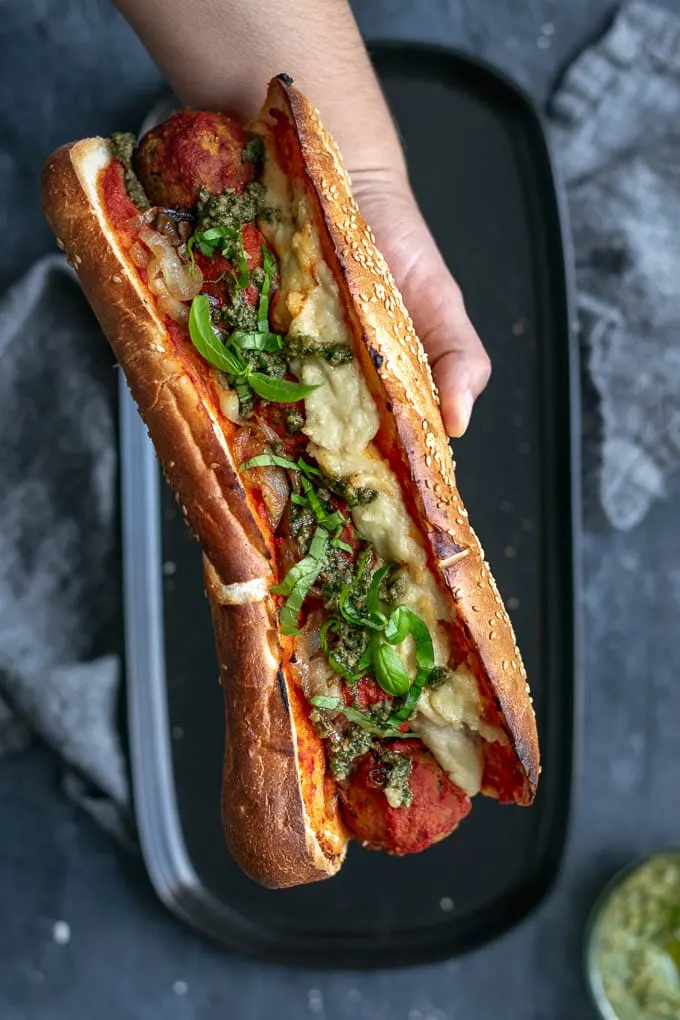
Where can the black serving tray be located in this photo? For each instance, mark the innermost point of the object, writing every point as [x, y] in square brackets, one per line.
[481, 169]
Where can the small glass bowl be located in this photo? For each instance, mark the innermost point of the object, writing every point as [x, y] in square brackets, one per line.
[594, 981]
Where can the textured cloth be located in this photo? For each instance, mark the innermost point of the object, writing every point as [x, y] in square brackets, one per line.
[614, 121]
[616, 133]
[58, 508]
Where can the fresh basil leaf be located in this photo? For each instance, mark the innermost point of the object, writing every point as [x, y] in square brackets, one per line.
[360, 718]
[256, 341]
[331, 520]
[206, 341]
[390, 671]
[398, 626]
[399, 620]
[269, 460]
[215, 234]
[243, 391]
[373, 597]
[331, 704]
[317, 549]
[337, 544]
[299, 580]
[374, 621]
[308, 469]
[263, 309]
[280, 391]
[243, 278]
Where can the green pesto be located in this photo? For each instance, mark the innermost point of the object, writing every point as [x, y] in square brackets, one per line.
[439, 676]
[239, 313]
[350, 644]
[397, 787]
[294, 421]
[229, 209]
[635, 943]
[253, 150]
[345, 752]
[270, 214]
[122, 148]
[337, 573]
[272, 363]
[392, 588]
[352, 496]
[302, 525]
[302, 346]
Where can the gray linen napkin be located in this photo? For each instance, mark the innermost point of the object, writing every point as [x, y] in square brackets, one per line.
[615, 120]
[616, 131]
[58, 505]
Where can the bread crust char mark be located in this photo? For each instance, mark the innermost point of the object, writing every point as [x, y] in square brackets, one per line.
[391, 351]
[267, 825]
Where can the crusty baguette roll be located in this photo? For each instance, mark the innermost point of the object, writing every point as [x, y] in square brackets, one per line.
[280, 807]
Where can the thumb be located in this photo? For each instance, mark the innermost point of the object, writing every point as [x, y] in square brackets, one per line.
[460, 365]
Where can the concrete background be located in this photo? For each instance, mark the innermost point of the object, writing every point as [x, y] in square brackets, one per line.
[73, 68]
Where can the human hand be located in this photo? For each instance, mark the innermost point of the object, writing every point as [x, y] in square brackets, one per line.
[217, 54]
[460, 365]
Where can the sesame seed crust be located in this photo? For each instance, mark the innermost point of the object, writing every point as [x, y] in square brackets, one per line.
[401, 381]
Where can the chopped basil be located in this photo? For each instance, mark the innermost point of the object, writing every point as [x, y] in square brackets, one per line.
[269, 270]
[256, 341]
[279, 391]
[390, 671]
[207, 342]
[362, 719]
[229, 242]
[299, 580]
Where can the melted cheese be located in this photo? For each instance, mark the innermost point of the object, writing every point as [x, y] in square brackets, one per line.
[341, 422]
[460, 753]
[327, 424]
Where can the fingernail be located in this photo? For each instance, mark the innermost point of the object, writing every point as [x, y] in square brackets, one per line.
[463, 407]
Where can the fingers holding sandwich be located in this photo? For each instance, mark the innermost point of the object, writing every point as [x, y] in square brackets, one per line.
[460, 364]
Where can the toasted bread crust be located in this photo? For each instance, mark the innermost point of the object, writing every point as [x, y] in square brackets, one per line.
[183, 426]
[276, 837]
[265, 818]
[390, 350]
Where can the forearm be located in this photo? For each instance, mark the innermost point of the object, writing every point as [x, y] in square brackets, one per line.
[218, 54]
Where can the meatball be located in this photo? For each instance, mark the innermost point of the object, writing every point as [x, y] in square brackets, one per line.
[436, 809]
[192, 149]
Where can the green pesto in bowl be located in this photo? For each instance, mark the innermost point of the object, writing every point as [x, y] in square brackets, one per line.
[633, 953]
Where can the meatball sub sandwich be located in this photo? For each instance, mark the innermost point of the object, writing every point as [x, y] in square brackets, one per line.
[372, 681]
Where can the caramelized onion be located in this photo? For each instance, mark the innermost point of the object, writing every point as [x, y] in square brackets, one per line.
[174, 309]
[139, 255]
[250, 441]
[182, 283]
[229, 405]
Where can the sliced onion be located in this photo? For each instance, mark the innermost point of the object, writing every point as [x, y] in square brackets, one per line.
[321, 679]
[181, 282]
[250, 441]
[229, 405]
[141, 219]
[139, 255]
[174, 309]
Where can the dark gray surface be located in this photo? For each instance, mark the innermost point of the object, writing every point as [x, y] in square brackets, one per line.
[81, 71]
